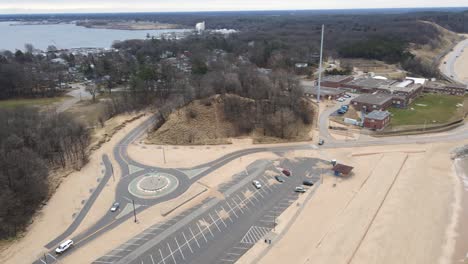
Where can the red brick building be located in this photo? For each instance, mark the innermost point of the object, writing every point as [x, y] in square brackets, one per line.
[376, 120]
[336, 81]
[370, 102]
[445, 88]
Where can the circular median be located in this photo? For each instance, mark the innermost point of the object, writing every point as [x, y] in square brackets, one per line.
[152, 185]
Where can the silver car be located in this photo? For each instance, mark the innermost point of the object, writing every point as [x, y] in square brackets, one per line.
[115, 207]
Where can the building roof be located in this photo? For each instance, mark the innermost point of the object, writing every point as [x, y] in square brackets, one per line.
[378, 115]
[371, 82]
[374, 99]
[440, 85]
[343, 169]
[336, 78]
[324, 91]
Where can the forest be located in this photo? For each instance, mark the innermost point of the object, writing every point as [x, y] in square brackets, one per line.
[32, 144]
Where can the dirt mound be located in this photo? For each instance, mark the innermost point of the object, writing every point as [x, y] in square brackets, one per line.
[204, 122]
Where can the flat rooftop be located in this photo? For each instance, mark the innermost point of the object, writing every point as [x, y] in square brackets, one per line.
[336, 78]
[440, 85]
[323, 90]
[374, 99]
[378, 115]
[371, 83]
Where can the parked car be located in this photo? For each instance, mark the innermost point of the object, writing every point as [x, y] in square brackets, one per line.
[347, 96]
[115, 207]
[308, 182]
[286, 172]
[341, 99]
[279, 178]
[64, 246]
[300, 189]
[257, 184]
[321, 142]
[345, 107]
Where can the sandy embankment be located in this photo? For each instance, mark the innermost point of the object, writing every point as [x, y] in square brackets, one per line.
[69, 198]
[461, 66]
[397, 208]
[461, 236]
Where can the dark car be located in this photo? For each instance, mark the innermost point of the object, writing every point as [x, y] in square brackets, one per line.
[286, 172]
[279, 178]
[321, 142]
[308, 183]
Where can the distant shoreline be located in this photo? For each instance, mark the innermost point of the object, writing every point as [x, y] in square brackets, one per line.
[127, 25]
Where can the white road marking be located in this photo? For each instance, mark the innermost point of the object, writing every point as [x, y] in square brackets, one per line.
[48, 254]
[164, 262]
[241, 248]
[42, 261]
[227, 260]
[196, 240]
[234, 254]
[100, 261]
[238, 205]
[186, 242]
[221, 218]
[152, 260]
[202, 233]
[214, 222]
[208, 227]
[232, 210]
[118, 249]
[254, 234]
[113, 256]
[178, 248]
[172, 253]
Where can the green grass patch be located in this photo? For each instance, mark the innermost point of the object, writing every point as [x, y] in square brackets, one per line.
[13, 103]
[430, 109]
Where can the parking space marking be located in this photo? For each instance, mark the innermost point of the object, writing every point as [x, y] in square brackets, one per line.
[152, 260]
[232, 210]
[214, 222]
[196, 240]
[227, 260]
[234, 254]
[48, 254]
[258, 192]
[186, 241]
[202, 233]
[221, 218]
[237, 205]
[118, 249]
[164, 262]
[208, 227]
[100, 261]
[172, 253]
[179, 248]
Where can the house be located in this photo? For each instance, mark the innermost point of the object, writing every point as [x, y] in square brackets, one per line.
[376, 120]
[370, 102]
[335, 81]
[445, 88]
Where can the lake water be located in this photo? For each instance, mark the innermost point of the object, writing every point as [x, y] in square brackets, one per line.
[65, 36]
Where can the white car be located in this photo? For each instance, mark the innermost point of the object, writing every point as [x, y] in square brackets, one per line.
[341, 99]
[115, 207]
[347, 96]
[257, 184]
[64, 246]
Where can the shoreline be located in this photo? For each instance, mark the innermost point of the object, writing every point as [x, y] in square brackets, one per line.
[460, 249]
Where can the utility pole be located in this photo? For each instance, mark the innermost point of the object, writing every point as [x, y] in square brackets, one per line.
[164, 154]
[320, 65]
[134, 211]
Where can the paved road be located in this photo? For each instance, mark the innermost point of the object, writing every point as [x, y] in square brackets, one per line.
[448, 68]
[110, 221]
[77, 95]
[221, 230]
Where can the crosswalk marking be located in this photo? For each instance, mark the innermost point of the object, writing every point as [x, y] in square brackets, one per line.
[254, 234]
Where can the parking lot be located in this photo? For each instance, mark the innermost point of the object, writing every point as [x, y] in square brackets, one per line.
[219, 231]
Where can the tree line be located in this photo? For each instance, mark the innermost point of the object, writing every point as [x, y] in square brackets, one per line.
[32, 144]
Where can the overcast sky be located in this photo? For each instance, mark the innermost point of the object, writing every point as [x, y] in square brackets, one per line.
[65, 6]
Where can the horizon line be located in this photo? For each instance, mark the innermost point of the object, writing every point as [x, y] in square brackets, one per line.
[228, 11]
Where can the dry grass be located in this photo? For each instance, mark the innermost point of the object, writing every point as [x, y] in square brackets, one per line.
[202, 122]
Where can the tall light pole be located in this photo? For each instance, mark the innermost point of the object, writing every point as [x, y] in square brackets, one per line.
[320, 65]
[134, 211]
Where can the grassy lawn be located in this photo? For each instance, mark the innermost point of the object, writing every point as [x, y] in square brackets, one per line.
[431, 108]
[13, 103]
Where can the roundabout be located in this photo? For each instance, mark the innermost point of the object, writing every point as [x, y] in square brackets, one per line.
[153, 185]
